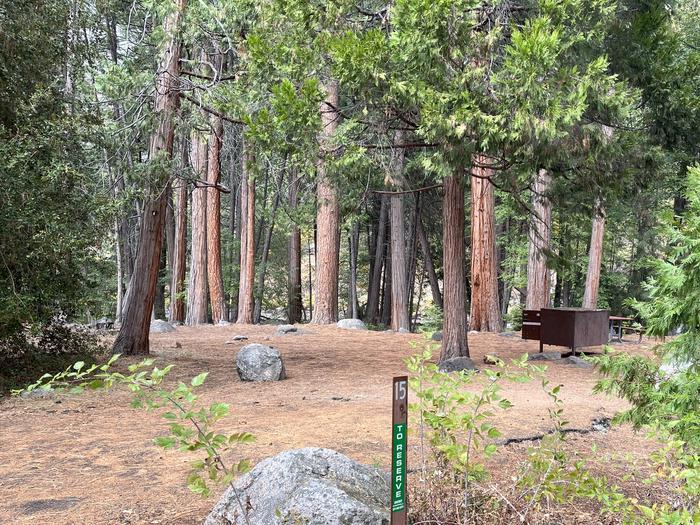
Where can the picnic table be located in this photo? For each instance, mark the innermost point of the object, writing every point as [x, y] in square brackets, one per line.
[619, 324]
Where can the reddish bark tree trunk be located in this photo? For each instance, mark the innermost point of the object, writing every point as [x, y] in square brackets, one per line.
[133, 335]
[197, 311]
[327, 217]
[454, 337]
[485, 313]
[595, 256]
[247, 273]
[214, 272]
[539, 244]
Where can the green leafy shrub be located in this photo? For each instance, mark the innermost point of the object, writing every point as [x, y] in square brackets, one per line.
[514, 318]
[190, 424]
[431, 319]
[50, 347]
[454, 415]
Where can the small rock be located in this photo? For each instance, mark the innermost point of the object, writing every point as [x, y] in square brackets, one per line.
[38, 393]
[508, 334]
[256, 362]
[158, 326]
[352, 324]
[457, 364]
[403, 330]
[545, 356]
[236, 338]
[437, 336]
[601, 424]
[104, 323]
[286, 329]
[223, 322]
[310, 486]
[175, 344]
[578, 362]
[492, 359]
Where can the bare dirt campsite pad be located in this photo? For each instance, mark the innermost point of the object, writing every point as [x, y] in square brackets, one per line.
[90, 459]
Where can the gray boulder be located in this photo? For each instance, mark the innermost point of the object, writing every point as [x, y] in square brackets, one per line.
[286, 329]
[545, 356]
[223, 322]
[256, 362]
[158, 326]
[578, 362]
[309, 486]
[403, 330]
[352, 324]
[457, 364]
[437, 336]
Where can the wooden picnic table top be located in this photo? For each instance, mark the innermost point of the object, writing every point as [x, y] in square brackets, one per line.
[618, 318]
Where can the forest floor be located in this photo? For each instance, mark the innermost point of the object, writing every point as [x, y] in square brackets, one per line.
[90, 459]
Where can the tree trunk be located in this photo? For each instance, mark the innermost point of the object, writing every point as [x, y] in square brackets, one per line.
[454, 337]
[354, 243]
[247, 272]
[235, 228]
[385, 317]
[159, 301]
[197, 311]
[294, 300]
[120, 274]
[170, 247]
[485, 313]
[375, 285]
[214, 272]
[412, 245]
[177, 302]
[257, 312]
[429, 266]
[539, 244]
[399, 278]
[327, 217]
[133, 335]
[595, 256]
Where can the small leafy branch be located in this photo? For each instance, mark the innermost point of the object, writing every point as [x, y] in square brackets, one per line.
[190, 424]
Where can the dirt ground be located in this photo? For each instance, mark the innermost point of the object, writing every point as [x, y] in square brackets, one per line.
[89, 459]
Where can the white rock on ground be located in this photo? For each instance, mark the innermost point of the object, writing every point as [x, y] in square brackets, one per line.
[158, 326]
[352, 324]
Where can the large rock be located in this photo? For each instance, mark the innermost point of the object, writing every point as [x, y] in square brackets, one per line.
[256, 362]
[158, 326]
[309, 486]
[352, 324]
[457, 364]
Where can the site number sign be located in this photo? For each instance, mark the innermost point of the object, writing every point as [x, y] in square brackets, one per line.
[399, 425]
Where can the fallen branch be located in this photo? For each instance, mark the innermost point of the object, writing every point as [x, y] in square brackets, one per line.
[597, 425]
